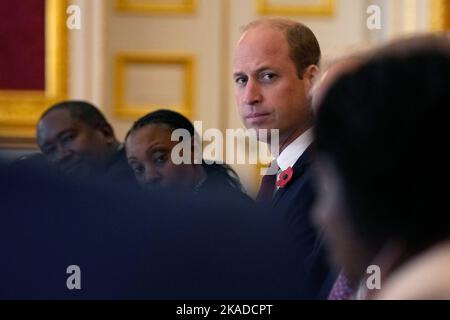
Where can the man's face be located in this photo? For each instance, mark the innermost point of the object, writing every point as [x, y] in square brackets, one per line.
[72, 145]
[149, 152]
[268, 91]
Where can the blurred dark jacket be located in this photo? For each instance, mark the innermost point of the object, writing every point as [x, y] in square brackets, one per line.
[130, 245]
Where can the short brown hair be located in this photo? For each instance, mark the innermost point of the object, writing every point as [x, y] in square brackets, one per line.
[304, 48]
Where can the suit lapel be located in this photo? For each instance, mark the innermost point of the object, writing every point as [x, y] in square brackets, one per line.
[298, 168]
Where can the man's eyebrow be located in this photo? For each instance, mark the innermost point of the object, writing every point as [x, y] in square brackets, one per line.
[59, 135]
[262, 68]
[238, 73]
[257, 71]
[46, 144]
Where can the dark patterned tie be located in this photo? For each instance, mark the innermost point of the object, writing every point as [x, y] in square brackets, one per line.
[266, 189]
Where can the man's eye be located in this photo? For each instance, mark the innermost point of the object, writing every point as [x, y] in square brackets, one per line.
[68, 137]
[240, 80]
[268, 76]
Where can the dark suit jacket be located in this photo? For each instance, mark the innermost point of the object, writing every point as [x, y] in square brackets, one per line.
[119, 172]
[294, 205]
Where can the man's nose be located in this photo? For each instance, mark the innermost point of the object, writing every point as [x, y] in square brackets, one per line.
[63, 154]
[151, 176]
[252, 93]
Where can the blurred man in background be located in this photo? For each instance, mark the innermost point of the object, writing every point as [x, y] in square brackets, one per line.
[75, 137]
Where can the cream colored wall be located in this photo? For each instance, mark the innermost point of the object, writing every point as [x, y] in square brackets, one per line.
[86, 53]
[196, 34]
[209, 35]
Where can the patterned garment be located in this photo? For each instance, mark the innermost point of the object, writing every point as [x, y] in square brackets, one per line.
[342, 289]
[267, 188]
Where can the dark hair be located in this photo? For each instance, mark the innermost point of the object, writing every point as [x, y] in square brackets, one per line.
[304, 49]
[385, 129]
[176, 120]
[170, 118]
[80, 110]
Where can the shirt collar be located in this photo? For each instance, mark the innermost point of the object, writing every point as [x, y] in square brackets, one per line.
[294, 150]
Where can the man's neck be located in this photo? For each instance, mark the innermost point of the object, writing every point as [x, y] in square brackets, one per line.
[287, 139]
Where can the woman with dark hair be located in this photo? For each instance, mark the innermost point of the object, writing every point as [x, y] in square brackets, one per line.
[149, 149]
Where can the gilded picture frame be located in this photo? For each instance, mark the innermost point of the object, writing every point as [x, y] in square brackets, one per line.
[128, 111]
[321, 8]
[20, 109]
[157, 6]
[440, 15]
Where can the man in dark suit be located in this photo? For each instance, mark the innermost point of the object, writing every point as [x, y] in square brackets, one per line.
[77, 139]
[275, 65]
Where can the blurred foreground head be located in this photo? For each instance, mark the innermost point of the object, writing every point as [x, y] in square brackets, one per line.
[383, 160]
[130, 245]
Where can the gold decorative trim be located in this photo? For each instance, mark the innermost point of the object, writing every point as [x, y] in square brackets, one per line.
[18, 143]
[225, 65]
[440, 15]
[184, 7]
[20, 109]
[324, 8]
[128, 111]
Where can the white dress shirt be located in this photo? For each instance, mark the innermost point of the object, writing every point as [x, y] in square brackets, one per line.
[294, 150]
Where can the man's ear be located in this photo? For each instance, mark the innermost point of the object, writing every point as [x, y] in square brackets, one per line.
[311, 72]
[310, 76]
[108, 132]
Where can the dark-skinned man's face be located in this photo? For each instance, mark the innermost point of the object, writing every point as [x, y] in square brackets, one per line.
[72, 145]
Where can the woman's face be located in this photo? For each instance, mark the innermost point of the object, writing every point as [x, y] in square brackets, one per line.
[149, 152]
[345, 248]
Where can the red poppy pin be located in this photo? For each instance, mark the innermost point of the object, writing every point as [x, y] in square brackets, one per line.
[284, 177]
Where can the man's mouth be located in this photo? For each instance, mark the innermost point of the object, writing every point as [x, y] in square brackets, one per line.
[257, 117]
